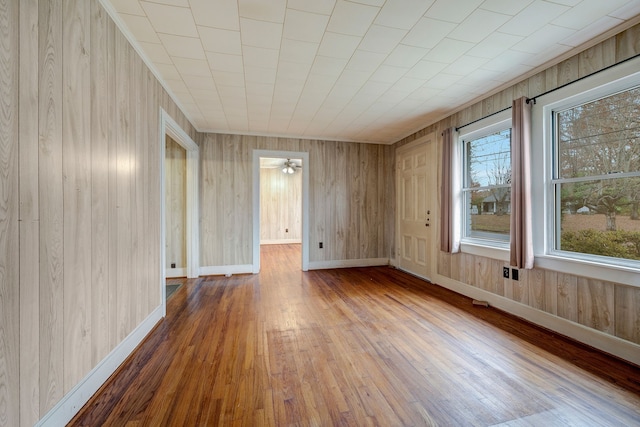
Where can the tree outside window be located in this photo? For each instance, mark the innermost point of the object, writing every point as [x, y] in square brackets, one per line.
[597, 176]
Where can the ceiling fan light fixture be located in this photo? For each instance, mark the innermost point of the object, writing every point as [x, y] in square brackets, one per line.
[289, 167]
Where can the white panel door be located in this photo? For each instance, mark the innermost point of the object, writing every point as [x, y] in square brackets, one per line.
[416, 184]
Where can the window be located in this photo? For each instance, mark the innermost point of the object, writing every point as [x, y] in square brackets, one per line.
[486, 184]
[596, 176]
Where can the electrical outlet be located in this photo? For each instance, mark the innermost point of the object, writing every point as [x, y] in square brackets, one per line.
[514, 273]
[320, 245]
[173, 265]
[286, 230]
[505, 272]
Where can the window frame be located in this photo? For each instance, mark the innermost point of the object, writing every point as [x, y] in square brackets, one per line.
[605, 83]
[478, 245]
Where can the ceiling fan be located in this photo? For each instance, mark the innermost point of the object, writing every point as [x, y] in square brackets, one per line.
[290, 167]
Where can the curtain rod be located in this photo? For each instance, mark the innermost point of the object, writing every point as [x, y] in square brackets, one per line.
[533, 99]
[482, 118]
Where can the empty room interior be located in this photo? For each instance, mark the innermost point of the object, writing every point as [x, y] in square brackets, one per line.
[320, 212]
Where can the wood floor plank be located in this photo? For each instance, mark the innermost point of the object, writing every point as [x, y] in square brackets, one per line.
[361, 346]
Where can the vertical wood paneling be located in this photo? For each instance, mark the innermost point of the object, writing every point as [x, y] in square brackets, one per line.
[123, 188]
[100, 201]
[9, 212]
[496, 277]
[137, 196]
[341, 208]
[112, 164]
[627, 315]
[595, 304]
[29, 215]
[154, 190]
[597, 57]
[317, 200]
[51, 204]
[483, 273]
[76, 169]
[79, 198]
[536, 287]
[551, 292]
[628, 43]
[568, 296]
[347, 200]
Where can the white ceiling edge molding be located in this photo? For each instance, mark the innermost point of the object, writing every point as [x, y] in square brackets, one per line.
[555, 61]
[108, 7]
[292, 136]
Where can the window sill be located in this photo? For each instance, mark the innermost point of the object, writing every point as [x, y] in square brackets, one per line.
[622, 274]
[498, 251]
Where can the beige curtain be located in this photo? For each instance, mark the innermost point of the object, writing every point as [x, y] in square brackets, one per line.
[449, 235]
[521, 229]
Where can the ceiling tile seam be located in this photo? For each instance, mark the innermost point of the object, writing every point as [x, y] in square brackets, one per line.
[334, 83]
[350, 58]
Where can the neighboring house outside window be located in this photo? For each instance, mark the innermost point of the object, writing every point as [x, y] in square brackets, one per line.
[486, 182]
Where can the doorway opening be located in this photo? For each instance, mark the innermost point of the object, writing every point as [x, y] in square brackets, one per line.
[268, 225]
[169, 128]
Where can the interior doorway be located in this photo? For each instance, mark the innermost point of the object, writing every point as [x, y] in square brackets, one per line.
[280, 201]
[175, 162]
[299, 165]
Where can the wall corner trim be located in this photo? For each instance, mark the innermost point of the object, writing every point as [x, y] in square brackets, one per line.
[79, 395]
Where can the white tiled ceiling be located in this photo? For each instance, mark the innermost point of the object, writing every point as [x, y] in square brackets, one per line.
[360, 70]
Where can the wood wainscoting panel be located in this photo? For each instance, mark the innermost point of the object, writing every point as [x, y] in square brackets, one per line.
[627, 309]
[596, 304]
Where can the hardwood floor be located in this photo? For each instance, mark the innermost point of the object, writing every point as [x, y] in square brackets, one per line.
[362, 346]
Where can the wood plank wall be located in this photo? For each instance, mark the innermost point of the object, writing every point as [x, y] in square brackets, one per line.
[79, 197]
[280, 206]
[175, 204]
[604, 306]
[350, 199]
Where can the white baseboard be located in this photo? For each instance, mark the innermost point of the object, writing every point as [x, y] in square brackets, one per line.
[73, 401]
[176, 272]
[216, 270]
[346, 263]
[280, 241]
[607, 343]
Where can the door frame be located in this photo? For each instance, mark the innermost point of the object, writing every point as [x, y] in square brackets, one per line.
[429, 138]
[168, 126]
[257, 154]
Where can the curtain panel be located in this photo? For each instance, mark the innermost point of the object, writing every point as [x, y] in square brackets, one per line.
[521, 229]
[449, 215]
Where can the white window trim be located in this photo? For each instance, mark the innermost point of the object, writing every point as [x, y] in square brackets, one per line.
[477, 246]
[599, 85]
